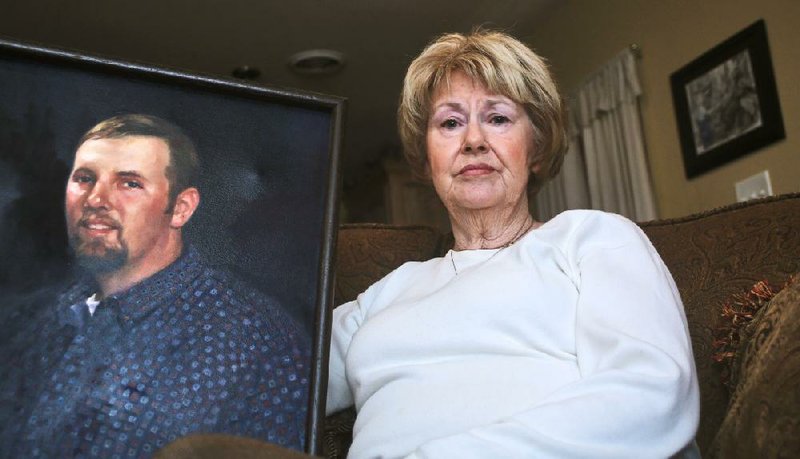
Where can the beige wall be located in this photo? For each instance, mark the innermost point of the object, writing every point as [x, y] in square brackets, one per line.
[582, 34]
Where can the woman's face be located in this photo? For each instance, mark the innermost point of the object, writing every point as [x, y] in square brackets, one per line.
[478, 146]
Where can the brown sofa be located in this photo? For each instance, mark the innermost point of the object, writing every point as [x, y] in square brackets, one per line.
[713, 257]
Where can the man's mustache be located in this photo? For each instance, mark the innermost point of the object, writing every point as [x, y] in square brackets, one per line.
[95, 218]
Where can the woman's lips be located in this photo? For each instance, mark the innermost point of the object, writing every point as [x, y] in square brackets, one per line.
[472, 170]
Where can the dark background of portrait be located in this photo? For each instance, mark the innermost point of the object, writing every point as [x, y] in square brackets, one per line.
[265, 171]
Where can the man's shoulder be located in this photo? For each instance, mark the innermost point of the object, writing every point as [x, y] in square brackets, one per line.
[225, 288]
[37, 325]
[41, 305]
[232, 298]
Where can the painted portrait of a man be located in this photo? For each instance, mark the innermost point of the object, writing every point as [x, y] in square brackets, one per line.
[165, 256]
[148, 343]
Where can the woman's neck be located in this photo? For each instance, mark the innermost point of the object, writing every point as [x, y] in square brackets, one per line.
[490, 228]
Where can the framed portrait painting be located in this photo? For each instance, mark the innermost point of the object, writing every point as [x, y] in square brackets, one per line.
[726, 102]
[166, 244]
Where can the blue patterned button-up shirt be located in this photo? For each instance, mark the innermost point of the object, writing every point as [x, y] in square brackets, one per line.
[188, 350]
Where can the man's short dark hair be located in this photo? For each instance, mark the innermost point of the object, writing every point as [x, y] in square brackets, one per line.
[183, 170]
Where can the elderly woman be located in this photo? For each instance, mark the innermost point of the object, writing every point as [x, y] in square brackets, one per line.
[527, 339]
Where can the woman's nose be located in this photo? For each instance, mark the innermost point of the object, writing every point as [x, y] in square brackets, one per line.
[475, 141]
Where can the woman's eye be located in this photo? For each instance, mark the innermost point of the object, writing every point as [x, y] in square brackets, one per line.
[499, 119]
[449, 123]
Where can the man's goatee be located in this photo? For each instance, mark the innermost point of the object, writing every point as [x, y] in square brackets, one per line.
[109, 260]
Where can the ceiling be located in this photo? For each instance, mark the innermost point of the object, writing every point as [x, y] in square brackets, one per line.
[378, 37]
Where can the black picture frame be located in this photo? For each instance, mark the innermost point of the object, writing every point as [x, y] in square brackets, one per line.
[270, 175]
[726, 102]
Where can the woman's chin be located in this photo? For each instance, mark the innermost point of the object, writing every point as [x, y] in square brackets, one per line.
[482, 196]
[479, 201]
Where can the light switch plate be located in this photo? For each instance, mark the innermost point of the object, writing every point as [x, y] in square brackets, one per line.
[753, 187]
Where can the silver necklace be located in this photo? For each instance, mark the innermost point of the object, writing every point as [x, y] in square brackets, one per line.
[523, 231]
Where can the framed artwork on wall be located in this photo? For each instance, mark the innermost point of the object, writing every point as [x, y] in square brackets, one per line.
[166, 245]
[726, 102]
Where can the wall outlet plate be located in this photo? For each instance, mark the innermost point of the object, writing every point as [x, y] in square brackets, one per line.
[754, 187]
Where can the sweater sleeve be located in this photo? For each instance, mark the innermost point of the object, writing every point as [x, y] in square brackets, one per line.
[346, 320]
[637, 395]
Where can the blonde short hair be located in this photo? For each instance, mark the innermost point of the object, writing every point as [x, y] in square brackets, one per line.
[505, 66]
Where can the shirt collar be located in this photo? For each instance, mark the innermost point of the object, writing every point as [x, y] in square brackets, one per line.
[132, 305]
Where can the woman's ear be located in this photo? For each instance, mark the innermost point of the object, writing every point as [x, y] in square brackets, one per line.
[536, 163]
[185, 204]
[535, 158]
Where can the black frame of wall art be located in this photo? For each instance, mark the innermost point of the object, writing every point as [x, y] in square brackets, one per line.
[726, 102]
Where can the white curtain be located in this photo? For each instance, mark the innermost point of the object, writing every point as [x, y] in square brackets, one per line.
[569, 189]
[606, 167]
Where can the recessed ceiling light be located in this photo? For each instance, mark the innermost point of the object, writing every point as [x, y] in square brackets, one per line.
[317, 61]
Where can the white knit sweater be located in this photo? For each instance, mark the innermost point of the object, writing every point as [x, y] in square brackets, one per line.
[572, 342]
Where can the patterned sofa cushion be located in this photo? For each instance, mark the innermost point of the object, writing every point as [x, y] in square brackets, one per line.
[764, 415]
[713, 256]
